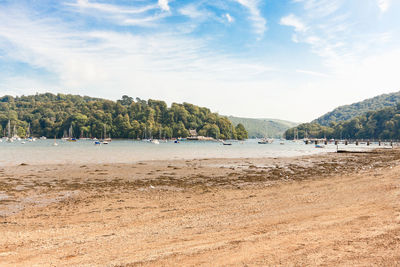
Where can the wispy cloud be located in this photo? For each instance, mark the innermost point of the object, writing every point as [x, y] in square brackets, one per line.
[144, 15]
[314, 73]
[329, 32]
[357, 61]
[258, 21]
[109, 8]
[194, 11]
[384, 4]
[90, 58]
[229, 18]
[321, 8]
[292, 20]
[189, 50]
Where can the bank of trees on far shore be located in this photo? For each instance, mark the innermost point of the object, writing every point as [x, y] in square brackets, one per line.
[53, 115]
[381, 124]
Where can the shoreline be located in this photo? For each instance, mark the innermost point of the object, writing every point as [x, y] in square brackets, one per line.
[237, 211]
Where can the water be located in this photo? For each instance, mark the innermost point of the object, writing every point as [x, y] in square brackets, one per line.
[128, 151]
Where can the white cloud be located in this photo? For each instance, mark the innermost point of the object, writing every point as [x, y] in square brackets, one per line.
[108, 8]
[384, 5]
[229, 18]
[144, 15]
[292, 20]
[259, 22]
[314, 73]
[321, 8]
[109, 64]
[193, 11]
[164, 5]
[350, 61]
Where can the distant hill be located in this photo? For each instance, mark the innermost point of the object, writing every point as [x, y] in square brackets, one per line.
[383, 124]
[263, 127]
[347, 112]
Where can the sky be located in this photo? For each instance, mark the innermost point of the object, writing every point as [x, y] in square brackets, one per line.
[287, 59]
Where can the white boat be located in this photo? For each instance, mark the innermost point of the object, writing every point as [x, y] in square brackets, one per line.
[265, 141]
[106, 139]
[70, 135]
[55, 142]
[9, 138]
[155, 141]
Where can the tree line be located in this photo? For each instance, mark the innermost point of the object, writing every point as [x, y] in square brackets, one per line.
[53, 115]
[381, 124]
[347, 112]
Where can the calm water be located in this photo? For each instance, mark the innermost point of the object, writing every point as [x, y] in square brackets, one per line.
[127, 151]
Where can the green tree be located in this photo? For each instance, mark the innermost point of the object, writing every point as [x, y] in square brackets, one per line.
[241, 132]
[50, 115]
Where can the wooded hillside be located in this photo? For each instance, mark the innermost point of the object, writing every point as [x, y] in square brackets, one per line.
[52, 115]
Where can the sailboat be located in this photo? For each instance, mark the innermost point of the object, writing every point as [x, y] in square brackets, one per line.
[15, 135]
[28, 134]
[70, 135]
[155, 141]
[265, 140]
[55, 141]
[105, 139]
[146, 139]
[9, 139]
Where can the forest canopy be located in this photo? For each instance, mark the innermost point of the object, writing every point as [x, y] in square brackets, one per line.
[53, 115]
[348, 112]
[381, 124]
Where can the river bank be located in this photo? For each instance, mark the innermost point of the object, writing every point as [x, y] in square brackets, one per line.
[323, 209]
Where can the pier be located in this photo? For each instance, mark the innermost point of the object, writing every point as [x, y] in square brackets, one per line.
[356, 142]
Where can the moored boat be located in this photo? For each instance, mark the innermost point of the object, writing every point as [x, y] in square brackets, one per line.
[266, 141]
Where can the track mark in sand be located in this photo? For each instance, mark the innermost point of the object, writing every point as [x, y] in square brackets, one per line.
[363, 218]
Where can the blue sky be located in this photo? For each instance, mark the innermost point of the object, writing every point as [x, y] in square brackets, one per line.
[294, 59]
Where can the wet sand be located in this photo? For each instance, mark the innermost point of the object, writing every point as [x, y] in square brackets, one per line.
[333, 209]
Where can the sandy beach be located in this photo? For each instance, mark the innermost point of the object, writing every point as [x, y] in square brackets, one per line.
[332, 209]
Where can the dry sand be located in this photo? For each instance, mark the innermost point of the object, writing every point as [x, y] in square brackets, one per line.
[335, 209]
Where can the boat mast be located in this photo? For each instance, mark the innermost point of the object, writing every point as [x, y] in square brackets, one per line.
[70, 132]
[9, 129]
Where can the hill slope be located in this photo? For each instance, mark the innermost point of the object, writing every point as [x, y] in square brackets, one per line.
[263, 127]
[383, 124]
[53, 115]
[347, 112]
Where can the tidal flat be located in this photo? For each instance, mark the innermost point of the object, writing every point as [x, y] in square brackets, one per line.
[331, 209]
